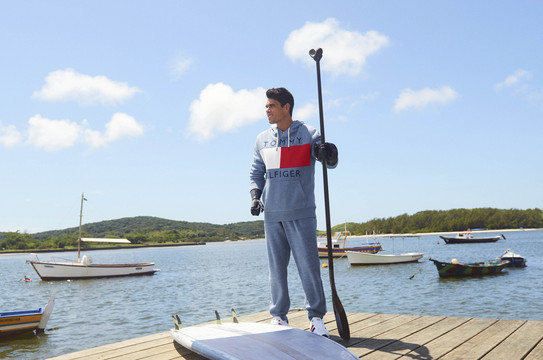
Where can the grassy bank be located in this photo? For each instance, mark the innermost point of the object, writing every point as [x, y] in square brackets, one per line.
[70, 249]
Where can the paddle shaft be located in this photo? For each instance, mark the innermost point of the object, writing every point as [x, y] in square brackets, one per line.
[339, 312]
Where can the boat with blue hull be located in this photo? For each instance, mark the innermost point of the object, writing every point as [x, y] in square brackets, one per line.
[23, 321]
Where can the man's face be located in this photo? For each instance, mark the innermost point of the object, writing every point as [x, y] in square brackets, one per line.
[275, 113]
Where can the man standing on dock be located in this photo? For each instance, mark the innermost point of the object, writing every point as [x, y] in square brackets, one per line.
[282, 185]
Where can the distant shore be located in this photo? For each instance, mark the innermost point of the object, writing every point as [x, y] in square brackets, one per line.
[203, 243]
[445, 233]
[98, 248]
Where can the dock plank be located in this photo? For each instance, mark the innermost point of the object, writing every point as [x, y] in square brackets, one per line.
[520, 343]
[536, 353]
[457, 336]
[414, 346]
[366, 340]
[383, 343]
[485, 341]
[373, 337]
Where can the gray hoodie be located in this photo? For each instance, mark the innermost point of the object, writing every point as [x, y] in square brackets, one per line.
[284, 169]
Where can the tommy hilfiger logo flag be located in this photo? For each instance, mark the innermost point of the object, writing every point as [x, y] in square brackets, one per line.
[286, 157]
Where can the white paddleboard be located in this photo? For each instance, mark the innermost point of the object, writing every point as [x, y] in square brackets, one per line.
[257, 341]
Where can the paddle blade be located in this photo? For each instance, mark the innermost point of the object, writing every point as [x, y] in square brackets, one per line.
[341, 318]
[177, 322]
[235, 316]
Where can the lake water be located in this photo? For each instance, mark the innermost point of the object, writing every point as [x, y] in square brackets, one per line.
[196, 280]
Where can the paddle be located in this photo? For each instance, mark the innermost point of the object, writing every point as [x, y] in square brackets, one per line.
[339, 312]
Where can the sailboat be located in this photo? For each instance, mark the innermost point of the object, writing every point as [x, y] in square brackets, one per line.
[84, 268]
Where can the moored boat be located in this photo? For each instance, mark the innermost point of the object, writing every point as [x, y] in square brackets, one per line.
[515, 260]
[83, 268]
[360, 258]
[467, 238]
[454, 268]
[339, 246]
[18, 322]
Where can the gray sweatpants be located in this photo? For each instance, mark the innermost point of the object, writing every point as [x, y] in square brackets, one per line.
[300, 237]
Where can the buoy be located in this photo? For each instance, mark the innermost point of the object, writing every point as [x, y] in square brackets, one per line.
[454, 261]
[27, 279]
[324, 265]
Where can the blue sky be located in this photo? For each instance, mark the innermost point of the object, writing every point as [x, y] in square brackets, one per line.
[152, 108]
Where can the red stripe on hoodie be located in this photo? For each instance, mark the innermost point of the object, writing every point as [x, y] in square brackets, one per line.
[295, 156]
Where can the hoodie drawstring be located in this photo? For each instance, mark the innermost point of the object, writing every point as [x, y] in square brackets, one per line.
[288, 138]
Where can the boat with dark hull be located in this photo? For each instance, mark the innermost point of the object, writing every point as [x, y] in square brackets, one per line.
[515, 260]
[453, 268]
[467, 238]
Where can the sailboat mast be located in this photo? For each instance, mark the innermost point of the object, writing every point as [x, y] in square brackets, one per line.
[80, 220]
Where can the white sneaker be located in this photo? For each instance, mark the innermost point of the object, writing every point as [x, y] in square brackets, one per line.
[279, 321]
[316, 325]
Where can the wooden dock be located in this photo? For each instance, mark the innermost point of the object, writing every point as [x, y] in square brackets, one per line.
[373, 336]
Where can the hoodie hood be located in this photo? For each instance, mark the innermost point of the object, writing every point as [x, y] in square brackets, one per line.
[280, 135]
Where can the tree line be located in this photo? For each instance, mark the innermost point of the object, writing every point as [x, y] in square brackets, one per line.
[449, 220]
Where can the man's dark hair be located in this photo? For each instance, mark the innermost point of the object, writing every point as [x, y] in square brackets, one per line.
[282, 95]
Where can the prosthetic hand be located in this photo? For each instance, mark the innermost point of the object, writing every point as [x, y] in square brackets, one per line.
[256, 206]
[326, 153]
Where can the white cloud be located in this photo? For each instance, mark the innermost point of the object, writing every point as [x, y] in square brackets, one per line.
[419, 99]
[180, 66]
[52, 135]
[61, 85]
[308, 111]
[344, 52]
[220, 109]
[121, 125]
[9, 136]
[515, 78]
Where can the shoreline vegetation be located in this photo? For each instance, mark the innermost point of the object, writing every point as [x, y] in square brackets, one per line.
[90, 248]
[147, 231]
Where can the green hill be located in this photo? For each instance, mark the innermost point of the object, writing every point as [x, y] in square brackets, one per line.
[139, 230]
[176, 230]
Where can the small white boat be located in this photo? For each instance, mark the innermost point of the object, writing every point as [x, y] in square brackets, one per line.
[83, 268]
[339, 246]
[358, 258]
